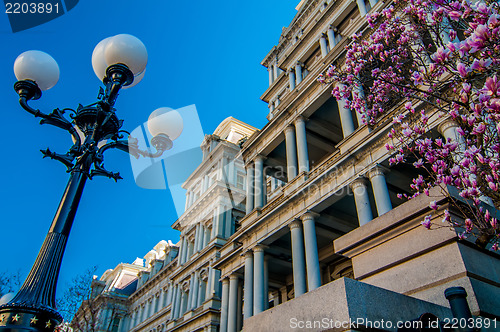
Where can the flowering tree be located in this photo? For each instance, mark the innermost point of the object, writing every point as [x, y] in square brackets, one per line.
[429, 61]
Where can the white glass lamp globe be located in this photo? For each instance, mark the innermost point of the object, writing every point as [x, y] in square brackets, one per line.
[165, 121]
[128, 50]
[37, 66]
[98, 62]
[136, 81]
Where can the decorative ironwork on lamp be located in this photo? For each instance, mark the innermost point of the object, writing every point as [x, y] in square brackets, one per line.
[120, 62]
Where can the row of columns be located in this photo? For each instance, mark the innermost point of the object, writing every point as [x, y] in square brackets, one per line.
[380, 193]
[305, 254]
[191, 294]
[296, 74]
[223, 222]
[148, 308]
[296, 148]
[189, 246]
[255, 290]
[363, 10]
[256, 189]
[327, 42]
[274, 72]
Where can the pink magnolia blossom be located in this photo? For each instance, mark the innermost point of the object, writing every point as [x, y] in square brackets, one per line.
[388, 71]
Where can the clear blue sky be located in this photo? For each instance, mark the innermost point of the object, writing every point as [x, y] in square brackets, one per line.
[205, 53]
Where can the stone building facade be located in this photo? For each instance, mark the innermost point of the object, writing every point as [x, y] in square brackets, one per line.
[311, 227]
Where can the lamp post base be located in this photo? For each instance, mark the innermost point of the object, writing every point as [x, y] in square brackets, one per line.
[17, 317]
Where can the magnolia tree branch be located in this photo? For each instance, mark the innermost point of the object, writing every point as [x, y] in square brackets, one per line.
[435, 56]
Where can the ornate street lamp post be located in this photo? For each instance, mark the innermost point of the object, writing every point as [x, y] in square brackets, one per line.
[94, 128]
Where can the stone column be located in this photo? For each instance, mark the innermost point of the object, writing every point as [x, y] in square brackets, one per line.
[209, 293]
[284, 294]
[147, 309]
[132, 320]
[275, 71]
[185, 249]
[300, 129]
[224, 305]
[250, 198]
[271, 107]
[190, 293]
[276, 298]
[239, 311]
[155, 303]
[196, 237]
[298, 72]
[448, 129]
[291, 153]
[380, 191]
[298, 258]
[258, 287]
[206, 183]
[248, 296]
[168, 299]
[233, 303]
[161, 300]
[323, 45]
[181, 251]
[266, 282]
[202, 237]
[362, 200]
[175, 302]
[194, 290]
[291, 79]
[362, 7]
[259, 181]
[312, 261]
[331, 38]
[271, 78]
[346, 120]
[228, 231]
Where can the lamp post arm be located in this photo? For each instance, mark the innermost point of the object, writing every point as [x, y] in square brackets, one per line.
[55, 118]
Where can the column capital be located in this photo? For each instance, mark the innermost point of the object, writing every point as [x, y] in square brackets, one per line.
[323, 35]
[299, 119]
[259, 248]
[289, 128]
[295, 224]
[298, 63]
[234, 276]
[357, 183]
[309, 215]
[377, 170]
[225, 281]
[332, 27]
[248, 253]
[446, 124]
[259, 158]
[290, 70]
